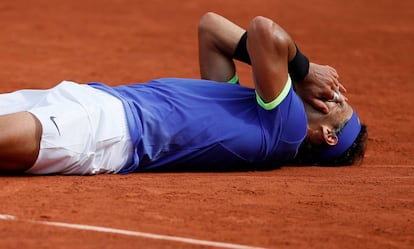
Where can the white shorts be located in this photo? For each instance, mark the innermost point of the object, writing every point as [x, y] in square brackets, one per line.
[84, 129]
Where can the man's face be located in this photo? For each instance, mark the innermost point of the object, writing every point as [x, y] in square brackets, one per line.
[339, 114]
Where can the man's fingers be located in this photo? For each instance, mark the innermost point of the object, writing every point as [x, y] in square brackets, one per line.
[342, 89]
[337, 97]
[336, 85]
[335, 74]
[341, 98]
[328, 92]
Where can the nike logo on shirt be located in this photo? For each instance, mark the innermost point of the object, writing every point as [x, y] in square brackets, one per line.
[52, 118]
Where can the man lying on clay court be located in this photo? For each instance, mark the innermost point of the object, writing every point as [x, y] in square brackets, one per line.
[295, 114]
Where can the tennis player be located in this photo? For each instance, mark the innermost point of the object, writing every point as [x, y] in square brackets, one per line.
[295, 113]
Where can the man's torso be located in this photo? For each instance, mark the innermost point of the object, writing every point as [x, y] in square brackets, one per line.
[207, 125]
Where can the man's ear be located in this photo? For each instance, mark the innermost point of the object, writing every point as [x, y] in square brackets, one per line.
[329, 136]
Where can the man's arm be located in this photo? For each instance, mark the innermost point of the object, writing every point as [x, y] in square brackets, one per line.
[218, 40]
[269, 47]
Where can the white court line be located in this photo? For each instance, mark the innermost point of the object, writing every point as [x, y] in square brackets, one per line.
[132, 233]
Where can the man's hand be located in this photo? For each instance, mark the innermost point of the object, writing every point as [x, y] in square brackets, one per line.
[321, 84]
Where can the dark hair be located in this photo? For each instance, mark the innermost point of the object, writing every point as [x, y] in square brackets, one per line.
[308, 152]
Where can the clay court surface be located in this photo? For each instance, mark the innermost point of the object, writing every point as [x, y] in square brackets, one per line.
[124, 41]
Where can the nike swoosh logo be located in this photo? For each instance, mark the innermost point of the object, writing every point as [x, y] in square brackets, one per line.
[52, 118]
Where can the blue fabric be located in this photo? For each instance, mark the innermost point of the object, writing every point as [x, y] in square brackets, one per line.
[198, 123]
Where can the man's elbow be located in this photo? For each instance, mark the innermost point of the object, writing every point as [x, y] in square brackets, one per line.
[263, 28]
[207, 22]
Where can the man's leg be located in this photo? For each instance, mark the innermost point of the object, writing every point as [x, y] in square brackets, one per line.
[20, 135]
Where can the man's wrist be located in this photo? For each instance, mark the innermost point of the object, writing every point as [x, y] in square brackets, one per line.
[299, 66]
[241, 53]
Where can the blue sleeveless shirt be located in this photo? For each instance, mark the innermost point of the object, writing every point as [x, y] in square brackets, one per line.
[195, 123]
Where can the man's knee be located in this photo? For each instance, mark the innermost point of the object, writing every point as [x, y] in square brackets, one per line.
[19, 141]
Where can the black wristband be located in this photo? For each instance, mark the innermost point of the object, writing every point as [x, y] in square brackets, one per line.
[241, 53]
[299, 66]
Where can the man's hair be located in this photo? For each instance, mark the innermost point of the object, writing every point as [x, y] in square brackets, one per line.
[308, 152]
